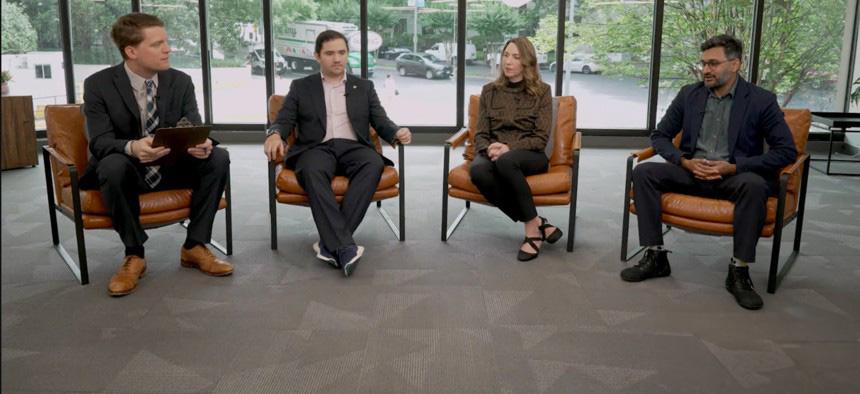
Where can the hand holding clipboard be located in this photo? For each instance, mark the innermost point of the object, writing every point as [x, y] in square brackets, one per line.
[183, 139]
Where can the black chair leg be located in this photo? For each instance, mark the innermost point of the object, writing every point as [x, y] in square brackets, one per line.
[273, 209]
[228, 219]
[574, 188]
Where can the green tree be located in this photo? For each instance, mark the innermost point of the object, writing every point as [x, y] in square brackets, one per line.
[800, 46]
[44, 18]
[285, 12]
[225, 24]
[339, 11]
[91, 41]
[18, 34]
[494, 23]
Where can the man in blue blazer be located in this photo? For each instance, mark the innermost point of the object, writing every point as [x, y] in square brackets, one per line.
[331, 113]
[123, 106]
[725, 122]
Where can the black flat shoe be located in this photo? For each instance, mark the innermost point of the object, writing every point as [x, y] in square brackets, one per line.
[554, 236]
[526, 256]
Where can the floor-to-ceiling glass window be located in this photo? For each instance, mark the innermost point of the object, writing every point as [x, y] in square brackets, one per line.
[686, 25]
[296, 25]
[415, 63]
[607, 59]
[182, 21]
[92, 46]
[491, 23]
[235, 32]
[32, 54]
[801, 52]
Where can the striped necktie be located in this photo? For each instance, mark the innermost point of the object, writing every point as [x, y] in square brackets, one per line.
[152, 176]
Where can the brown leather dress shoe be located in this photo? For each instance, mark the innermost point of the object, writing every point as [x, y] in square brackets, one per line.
[124, 281]
[201, 258]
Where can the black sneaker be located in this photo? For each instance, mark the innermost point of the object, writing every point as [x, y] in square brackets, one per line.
[326, 256]
[738, 283]
[654, 264]
[348, 257]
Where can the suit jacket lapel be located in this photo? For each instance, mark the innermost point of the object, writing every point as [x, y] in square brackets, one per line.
[699, 103]
[318, 96]
[163, 97]
[123, 86]
[350, 88]
[739, 110]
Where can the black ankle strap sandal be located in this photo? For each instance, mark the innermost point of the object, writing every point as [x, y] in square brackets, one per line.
[526, 256]
[554, 236]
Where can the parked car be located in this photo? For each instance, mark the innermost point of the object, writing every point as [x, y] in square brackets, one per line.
[423, 64]
[257, 60]
[577, 63]
[392, 53]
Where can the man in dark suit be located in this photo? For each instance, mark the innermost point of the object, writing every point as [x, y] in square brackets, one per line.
[124, 105]
[330, 112]
[725, 122]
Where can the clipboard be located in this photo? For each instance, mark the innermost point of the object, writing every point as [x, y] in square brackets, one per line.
[178, 139]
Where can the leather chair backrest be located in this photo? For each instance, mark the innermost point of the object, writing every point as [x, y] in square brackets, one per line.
[67, 135]
[798, 121]
[561, 138]
[277, 101]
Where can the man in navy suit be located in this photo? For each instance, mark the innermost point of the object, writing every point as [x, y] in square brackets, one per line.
[123, 106]
[331, 113]
[725, 122]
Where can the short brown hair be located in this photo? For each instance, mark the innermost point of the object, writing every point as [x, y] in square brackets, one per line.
[128, 29]
[327, 36]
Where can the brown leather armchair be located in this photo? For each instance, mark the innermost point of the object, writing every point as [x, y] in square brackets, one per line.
[558, 186]
[284, 187]
[65, 158]
[714, 217]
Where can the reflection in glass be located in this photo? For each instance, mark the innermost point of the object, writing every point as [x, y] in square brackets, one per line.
[182, 22]
[92, 47]
[686, 26]
[33, 57]
[235, 31]
[800, 59]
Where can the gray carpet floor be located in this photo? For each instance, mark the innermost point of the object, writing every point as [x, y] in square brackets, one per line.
[426, 316]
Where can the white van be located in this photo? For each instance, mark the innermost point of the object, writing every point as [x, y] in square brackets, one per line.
[447, 51]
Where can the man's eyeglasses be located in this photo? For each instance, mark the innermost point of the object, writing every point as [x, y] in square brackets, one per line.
[712, 63]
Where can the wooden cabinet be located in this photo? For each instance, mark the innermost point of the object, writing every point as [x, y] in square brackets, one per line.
[19, 132]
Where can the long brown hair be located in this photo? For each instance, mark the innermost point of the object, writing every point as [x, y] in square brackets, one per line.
[528, 58]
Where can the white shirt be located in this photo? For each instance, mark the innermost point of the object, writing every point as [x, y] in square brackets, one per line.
[337, 119]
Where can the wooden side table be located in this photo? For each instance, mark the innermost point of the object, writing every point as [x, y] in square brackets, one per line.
[19, 132]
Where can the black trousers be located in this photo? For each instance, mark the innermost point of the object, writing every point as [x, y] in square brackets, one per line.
[120, 180]
[749, 191]
[503, 182]
[315, 169]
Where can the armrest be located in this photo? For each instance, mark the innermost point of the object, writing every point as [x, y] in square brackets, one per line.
[793, 168]
[577, 141]
[59, 156]
[458, 138]
[644, 154]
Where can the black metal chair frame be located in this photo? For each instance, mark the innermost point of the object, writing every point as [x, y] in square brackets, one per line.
[80, 269]
[399, 231]
[447, 231]
[775, 274]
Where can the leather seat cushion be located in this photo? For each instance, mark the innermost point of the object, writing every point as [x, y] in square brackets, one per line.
[712, 215]
[150, 203]
[289, 184]
[553, 182]
[156, 208]
[302, 199]
[541, 200]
